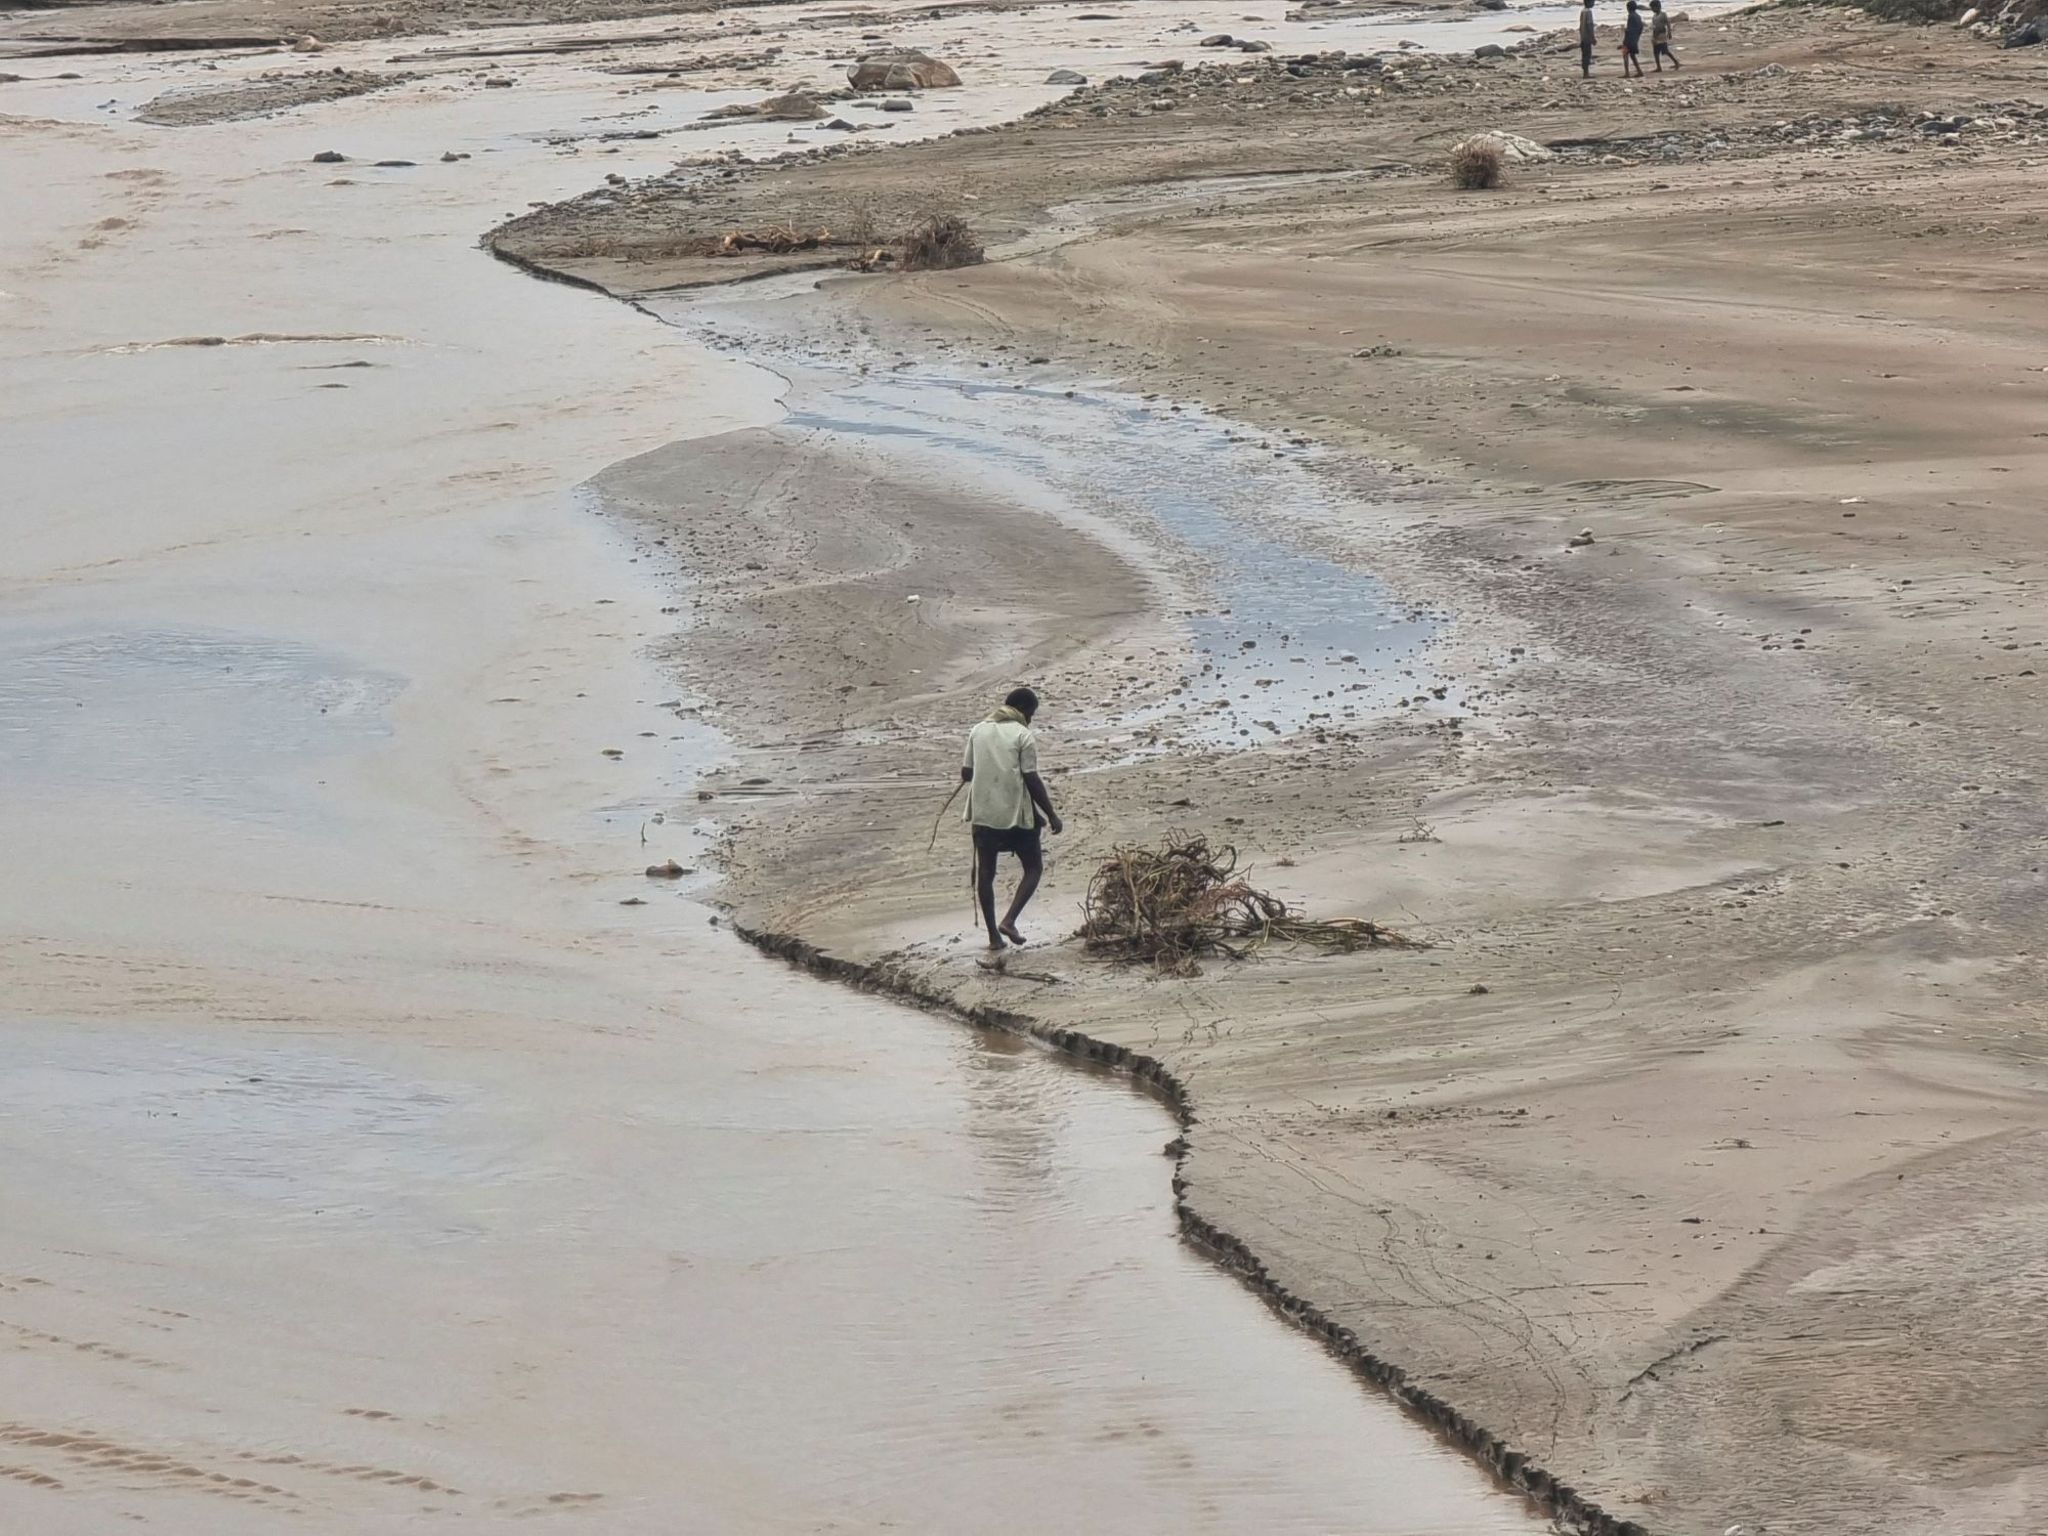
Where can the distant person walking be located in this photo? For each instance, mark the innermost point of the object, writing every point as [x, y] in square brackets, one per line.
[1660, 36]
[1632, 41]
[1586, 39]
[1006, 807]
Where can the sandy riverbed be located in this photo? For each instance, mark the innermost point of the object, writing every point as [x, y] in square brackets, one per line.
[1697, 1161]
[376, 1157]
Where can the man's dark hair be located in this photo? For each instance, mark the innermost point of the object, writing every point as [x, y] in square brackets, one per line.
[1024, 701]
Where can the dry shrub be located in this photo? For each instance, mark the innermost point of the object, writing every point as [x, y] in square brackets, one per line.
[938, 242]
[1169, 906]
[1476, 164]
[860, 225]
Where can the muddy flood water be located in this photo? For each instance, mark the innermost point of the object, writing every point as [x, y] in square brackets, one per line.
[379, 1149]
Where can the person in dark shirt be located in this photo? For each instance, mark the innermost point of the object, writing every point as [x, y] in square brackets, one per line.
[1632, 41]
[1586, 39]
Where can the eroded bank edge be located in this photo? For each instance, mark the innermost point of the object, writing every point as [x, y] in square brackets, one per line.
[1514, 1469]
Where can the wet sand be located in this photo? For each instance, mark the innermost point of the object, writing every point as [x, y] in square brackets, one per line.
[1697, 1161]
[385, 1147]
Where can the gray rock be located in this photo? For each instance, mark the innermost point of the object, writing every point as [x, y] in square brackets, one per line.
[796, 107]
[499, 83]
[1066, 77]
[896, 104]
[1217, 40]
[1489, 51]
[2026, 37]
[1252, 45]
[329, 157]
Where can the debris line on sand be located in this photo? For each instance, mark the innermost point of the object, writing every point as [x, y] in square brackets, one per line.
[1169, 906]
[775, 238]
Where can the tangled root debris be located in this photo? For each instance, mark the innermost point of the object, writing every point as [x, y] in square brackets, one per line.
[1171, 905]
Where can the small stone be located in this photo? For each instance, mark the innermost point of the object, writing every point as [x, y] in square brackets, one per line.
[329, 157]
[1066, 77]
[1580, 539]
[668, 870]
[896, 104]
[499, 83]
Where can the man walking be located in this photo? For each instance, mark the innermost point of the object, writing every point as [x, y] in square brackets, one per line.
[1006, 806]
[1586, 39]
[1632, 42]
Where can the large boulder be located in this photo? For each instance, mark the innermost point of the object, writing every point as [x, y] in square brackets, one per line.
[900, 69]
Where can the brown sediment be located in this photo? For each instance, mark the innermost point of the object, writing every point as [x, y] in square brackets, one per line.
[193, 106]
[48, 47]
[1515, 1469]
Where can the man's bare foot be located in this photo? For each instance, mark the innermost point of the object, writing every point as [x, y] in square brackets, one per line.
[1009, 931]
[994, 943]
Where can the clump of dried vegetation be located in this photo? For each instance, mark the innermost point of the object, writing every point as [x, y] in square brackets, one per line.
[1170, 906]
[937, 242]
[1476, 164]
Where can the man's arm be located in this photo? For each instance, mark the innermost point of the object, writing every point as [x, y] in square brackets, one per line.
[1036, 787]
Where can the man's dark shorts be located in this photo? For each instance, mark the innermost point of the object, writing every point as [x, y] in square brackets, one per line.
[994, 840]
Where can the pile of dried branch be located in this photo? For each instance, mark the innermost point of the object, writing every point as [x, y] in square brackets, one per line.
[1169, 906]
[939, 243]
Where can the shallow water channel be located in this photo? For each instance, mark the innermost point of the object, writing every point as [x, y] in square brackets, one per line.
[1277, 638]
